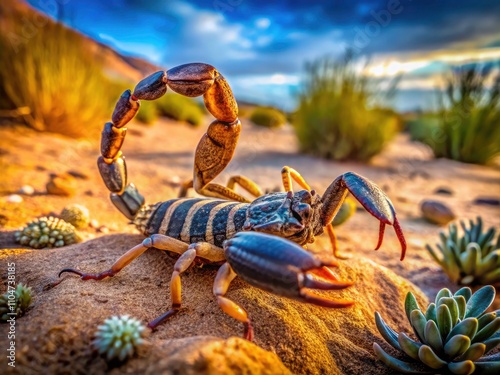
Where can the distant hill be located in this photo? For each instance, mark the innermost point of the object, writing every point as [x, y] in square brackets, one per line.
[18, 20]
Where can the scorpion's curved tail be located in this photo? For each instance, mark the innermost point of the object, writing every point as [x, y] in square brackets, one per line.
[189, 80]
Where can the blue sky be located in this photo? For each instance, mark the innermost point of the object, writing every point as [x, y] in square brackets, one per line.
[261, 46]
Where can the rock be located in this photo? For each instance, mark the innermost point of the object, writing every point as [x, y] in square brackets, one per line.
[14, 198]
[487, 201]
[307, 339]
[103, 229]
[94, 224]
[212, 355]
[443, 191]
[61, 184]
[436, 212]
[27, 190]
[78, 174]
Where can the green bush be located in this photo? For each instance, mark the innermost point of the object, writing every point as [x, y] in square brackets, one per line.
[268, 117]
[467, 125]
[180, 108]
[148, 112]
[338, 117]
[53, 75]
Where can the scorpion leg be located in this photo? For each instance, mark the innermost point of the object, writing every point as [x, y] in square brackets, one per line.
[224, 277]
[157, 241]
[196, 250]
[287, 174]
[247, 184]
[370, 196]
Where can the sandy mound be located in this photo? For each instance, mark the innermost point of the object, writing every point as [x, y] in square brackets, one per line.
[55, 334]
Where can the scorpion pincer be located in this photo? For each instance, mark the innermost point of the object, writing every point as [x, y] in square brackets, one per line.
[259, 241]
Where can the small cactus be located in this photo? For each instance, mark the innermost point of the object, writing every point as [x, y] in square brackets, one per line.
[474, 258]
[16, 302]
[452, 336]
[347, 209]
[119, 337]
[77, 215]
[47, 232]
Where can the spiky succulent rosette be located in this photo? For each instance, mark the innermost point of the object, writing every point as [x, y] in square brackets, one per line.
[47, 232]
[119, 337]
[452, 336]
[472, 259]
[19, 302]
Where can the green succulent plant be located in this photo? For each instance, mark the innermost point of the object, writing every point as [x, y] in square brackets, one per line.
[472, 259]
[77, 215]
[452, 336]
[347, 209]
[119, 337]
[20, 300]
[47, 232]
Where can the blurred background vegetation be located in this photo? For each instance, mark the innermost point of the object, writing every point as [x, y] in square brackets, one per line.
[268, 117]
[340, 115]
[57, 80]
[466, 125]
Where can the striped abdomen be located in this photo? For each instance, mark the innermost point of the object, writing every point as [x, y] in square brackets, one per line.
[197, 219]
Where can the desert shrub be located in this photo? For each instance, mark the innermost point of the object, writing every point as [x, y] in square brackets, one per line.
[53, 74]
[268, 117]
[338, 116]
[422, 128]
[180, 108]
[148, 112]
[467, 125]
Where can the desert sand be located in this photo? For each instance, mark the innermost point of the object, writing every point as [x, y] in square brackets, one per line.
[55, 334]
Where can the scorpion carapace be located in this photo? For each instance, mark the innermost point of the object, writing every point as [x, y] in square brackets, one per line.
[223, 228]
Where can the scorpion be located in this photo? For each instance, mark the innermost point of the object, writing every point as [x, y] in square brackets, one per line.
[260, 241]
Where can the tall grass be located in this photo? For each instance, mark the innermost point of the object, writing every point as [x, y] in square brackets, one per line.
[339, 116]
[467, 125]
[53, 75]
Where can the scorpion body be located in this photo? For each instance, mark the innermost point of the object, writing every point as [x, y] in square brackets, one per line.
[260, 241]
[192, 220]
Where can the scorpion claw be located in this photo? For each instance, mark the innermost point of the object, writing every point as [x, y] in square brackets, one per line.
[282, 267]
[380, 235]
[371, 197]
[316, 299]
[315, 283]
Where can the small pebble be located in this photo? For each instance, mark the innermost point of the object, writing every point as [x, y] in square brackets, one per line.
[103, 229]
[176, 180]
[436, 212]
[27, 190]
[487, 201]
[61, 184]
[443, 191]
[14, 198]
[78, 174]
[94, 224]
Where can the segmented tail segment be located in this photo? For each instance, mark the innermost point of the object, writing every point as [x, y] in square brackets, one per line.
[214, 151]
[143, 216]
